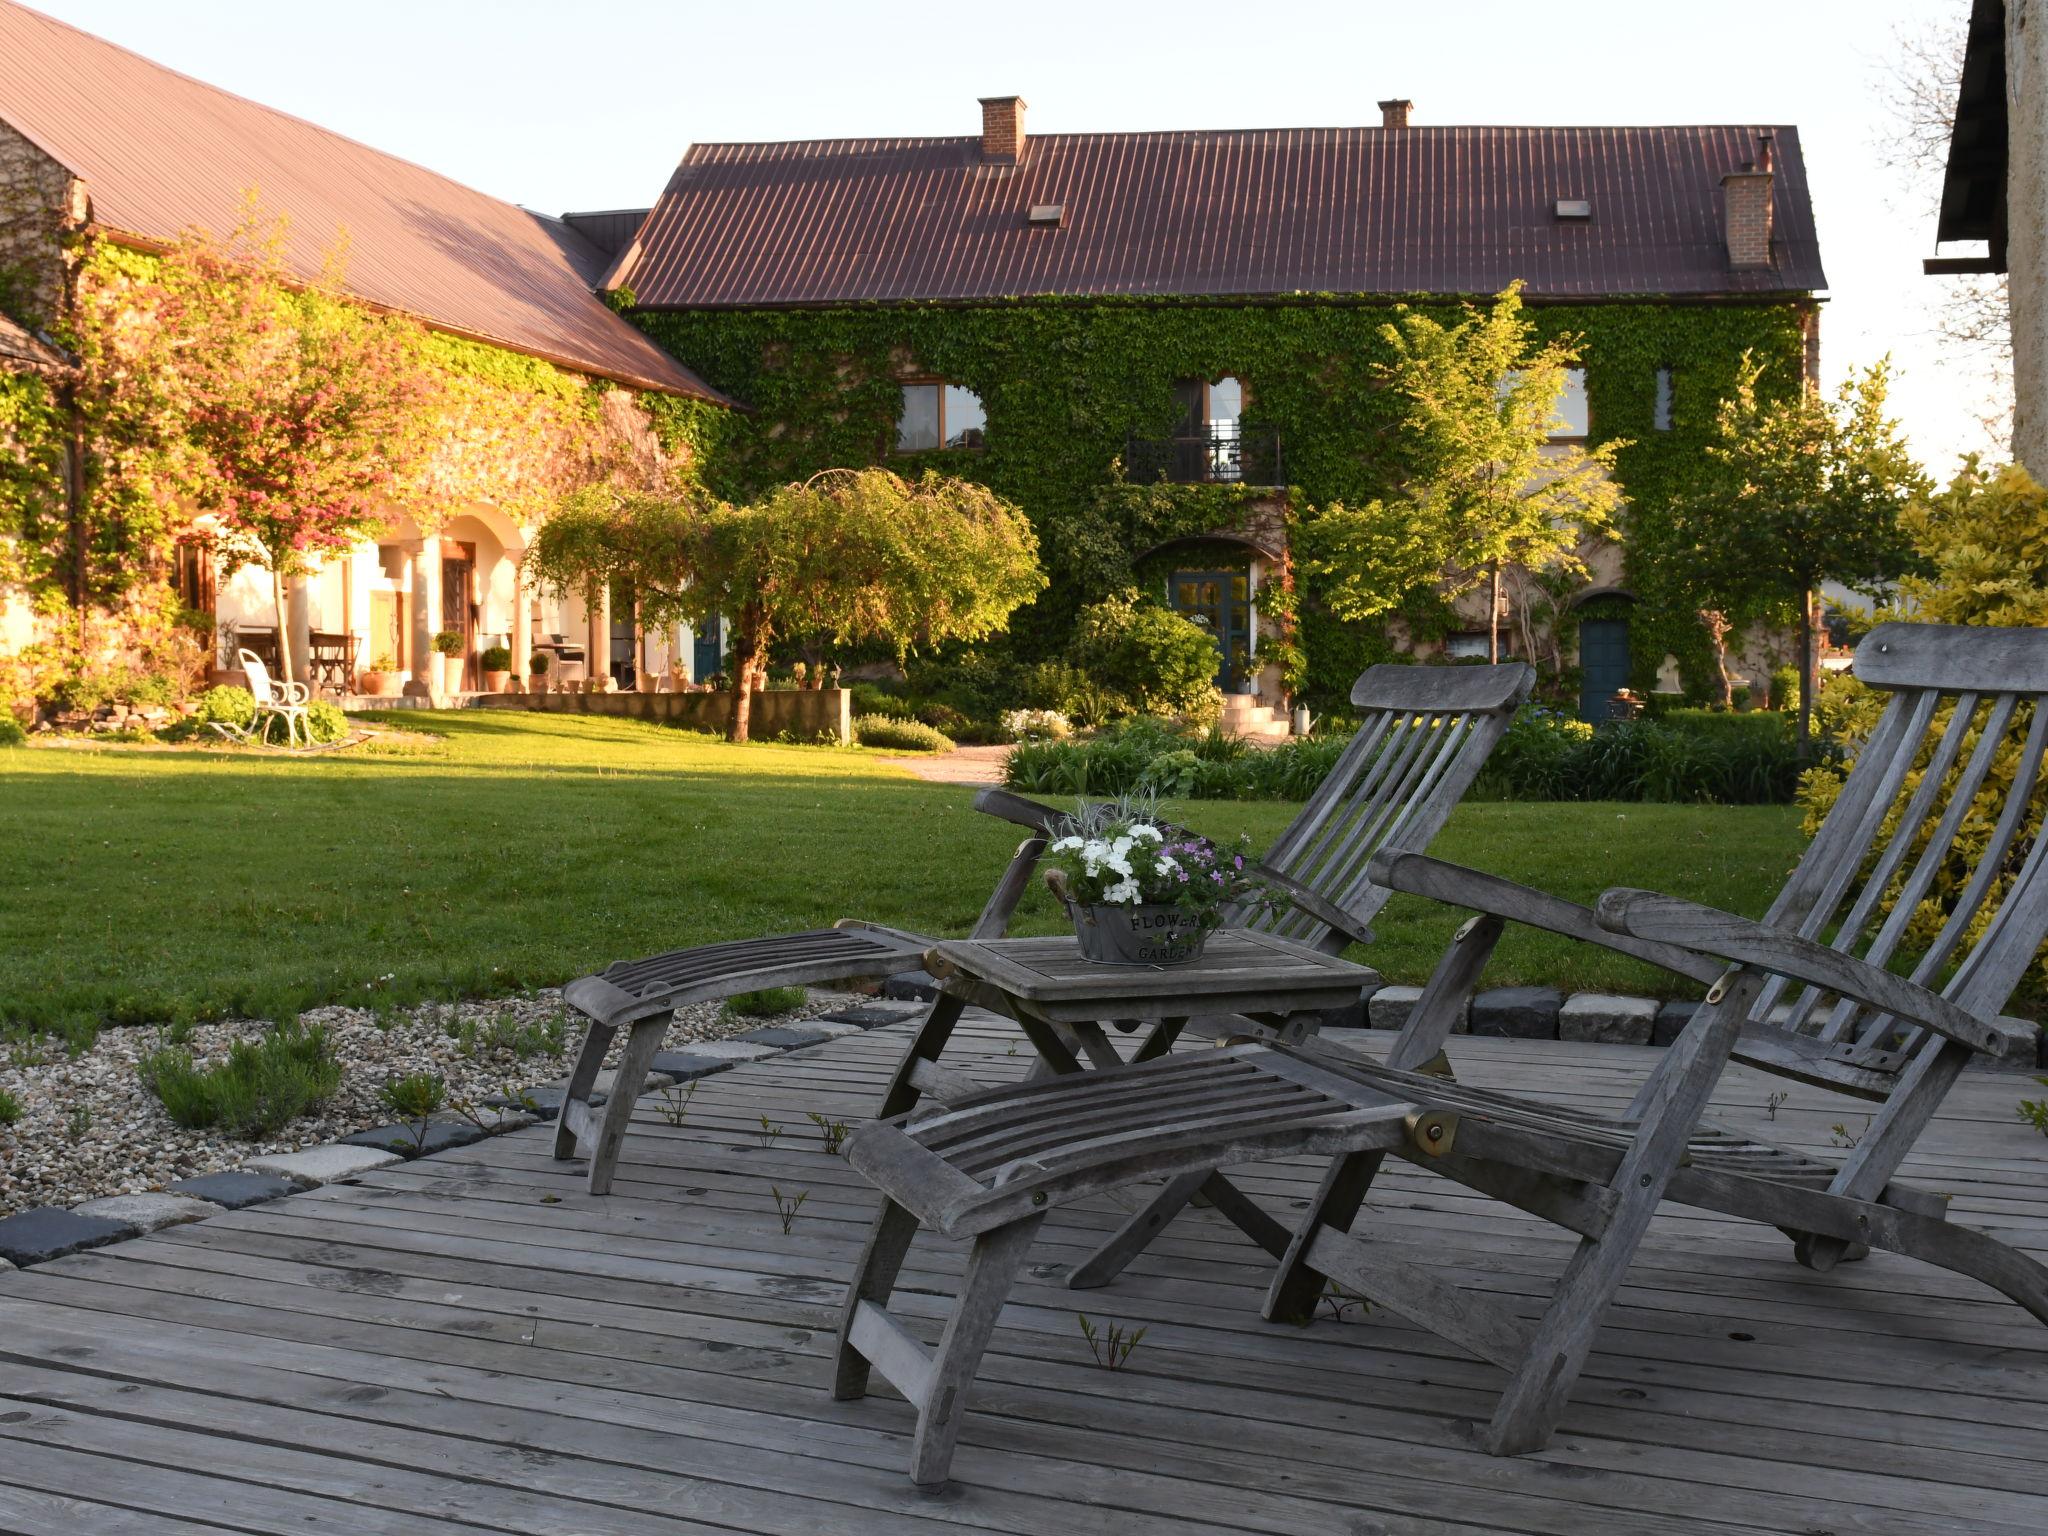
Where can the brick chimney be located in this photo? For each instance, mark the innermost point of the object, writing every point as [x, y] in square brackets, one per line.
[1746, 210]
[1002, 129]
[1394, 114]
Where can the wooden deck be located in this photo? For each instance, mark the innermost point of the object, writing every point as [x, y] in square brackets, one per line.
[469, 1343]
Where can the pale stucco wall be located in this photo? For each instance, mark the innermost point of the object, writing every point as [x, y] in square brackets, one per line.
[2026, 197]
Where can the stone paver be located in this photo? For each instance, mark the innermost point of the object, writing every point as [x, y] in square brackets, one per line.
[1672, 1017]
[730, 1050]
[784, 1037]
[609, 1077]
[687, 1066]
[49, 1231]
[150, 1212]
[1607, 1019]
[408, 1140]
[873, 1015]
[1517, 1013]
[542, 1099]
[236, 1188]
[2024, 1051]
[323, 1165]
[912, 986]
[1389, 1007]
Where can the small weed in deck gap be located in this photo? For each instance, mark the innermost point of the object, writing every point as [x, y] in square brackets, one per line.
[1841, 1136]
[768, 1132]
[833, 1131]
[414, 1099]
[1771, 1104]
[674, 1105]
[786, 1207]
[1342, 1301]
[2035, 1111]
[1111, 1346]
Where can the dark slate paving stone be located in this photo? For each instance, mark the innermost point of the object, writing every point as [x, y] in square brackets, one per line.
[1517, 1013]
[1351, 1016]
[684, 1067]
[785, 1037]
[918, 986]
[236, 1188]
[872, 1017]
[408, 1140]
[50, 1232]
[1670, 1022]
[544, 1099]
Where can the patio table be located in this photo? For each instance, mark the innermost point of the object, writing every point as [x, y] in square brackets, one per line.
[1062, 1002]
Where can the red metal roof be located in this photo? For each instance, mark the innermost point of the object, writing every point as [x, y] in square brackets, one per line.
[160, 153]
[1238, 214]
[22, 348]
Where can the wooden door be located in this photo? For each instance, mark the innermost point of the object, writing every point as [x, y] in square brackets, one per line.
[1603, 666]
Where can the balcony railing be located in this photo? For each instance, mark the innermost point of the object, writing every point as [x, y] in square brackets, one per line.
[1217, 456]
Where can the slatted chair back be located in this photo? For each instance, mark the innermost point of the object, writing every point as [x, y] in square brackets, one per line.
[1424, 734]
[260, 688]
[1909, 866]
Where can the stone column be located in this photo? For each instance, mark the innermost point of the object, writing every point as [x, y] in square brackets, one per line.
[426, 617]
[678, 658]
[299, 629]
[522, 627]
[2026, 251]
[600, 647]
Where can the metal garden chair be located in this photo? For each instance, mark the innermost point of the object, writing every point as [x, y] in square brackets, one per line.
[1824, 989]
[286, 702]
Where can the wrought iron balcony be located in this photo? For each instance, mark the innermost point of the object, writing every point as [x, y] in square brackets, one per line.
[1218, 456]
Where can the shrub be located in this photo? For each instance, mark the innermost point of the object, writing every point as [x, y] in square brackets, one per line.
[899, 735]
[874, 699]
[539, 664]
[263, 1085]
[11, 733]
[10, 1108]
[766, 1003]
[227, 706]
[942, 717]
[1784, 688]
[448, 641]
[1687, 756]
[1070, 691]
[1162, 662]
[326, 721]
[495, 658]
[1027, 724]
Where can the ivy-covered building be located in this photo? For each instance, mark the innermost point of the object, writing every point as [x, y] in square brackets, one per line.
[1164, 345]
[106, 161]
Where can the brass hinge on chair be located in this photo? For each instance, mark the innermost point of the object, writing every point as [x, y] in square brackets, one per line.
[1433, 1131]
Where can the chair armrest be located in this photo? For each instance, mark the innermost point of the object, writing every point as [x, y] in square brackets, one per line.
[1026, 813]
[1667, 919]
[1305, 900]
[294, 693]
[1420, 875]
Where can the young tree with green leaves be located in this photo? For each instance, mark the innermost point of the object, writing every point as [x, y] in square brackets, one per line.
[1483, 485]
[845, 556]
[1795, 490]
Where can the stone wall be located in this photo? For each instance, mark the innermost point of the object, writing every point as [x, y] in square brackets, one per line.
[40, 201]
[805, 712]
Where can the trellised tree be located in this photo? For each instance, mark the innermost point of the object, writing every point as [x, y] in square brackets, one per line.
[297, 416]
[845, 556]
[1795, 490]
[1484, 487]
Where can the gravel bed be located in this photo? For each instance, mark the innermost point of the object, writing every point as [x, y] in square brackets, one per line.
[89, 1128]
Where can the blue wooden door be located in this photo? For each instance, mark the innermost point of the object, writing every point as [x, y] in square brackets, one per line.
[1219, 601]
[708, 655]
[1603, 665]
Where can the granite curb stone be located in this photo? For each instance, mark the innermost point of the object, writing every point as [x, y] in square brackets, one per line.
[234, 1188]
[49, 1232]
[912, 986]
[410, 1141]
[686, 1066]
[1670, 1022]
[1605, 1019]
[784, 1037]
[1517, 1013]
[1389, 1007]
[149, 1212]
[324, 1164]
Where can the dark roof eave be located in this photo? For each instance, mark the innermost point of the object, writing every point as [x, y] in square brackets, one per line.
[1784, 295]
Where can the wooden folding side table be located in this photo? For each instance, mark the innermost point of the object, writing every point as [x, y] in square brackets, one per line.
[1062, 1002]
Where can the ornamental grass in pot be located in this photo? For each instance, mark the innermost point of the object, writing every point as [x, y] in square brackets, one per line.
[1142, 891]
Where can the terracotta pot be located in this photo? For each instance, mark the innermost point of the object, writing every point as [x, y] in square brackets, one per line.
[538, 683]
[496, 682]
[377, 685]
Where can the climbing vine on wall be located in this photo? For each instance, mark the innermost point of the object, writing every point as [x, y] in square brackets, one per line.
[1066, 382]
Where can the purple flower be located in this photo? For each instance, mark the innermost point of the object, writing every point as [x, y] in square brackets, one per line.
[1238, 862]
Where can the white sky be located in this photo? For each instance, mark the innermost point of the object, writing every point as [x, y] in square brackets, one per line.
[589, 105]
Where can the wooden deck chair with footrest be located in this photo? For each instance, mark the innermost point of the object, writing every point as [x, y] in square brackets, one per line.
[1880, 970]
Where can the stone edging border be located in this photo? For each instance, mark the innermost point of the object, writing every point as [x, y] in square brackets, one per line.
[48, 1232]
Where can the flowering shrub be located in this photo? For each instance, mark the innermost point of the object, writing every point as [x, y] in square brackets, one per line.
[1037, 724]
[1116, 854]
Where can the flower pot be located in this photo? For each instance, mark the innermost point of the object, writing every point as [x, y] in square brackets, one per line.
[377, 685]
[451, 673]
[537, 682]
[496, 682]
[1138, 935]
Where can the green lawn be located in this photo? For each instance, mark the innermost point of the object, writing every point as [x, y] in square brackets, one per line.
[516, 850]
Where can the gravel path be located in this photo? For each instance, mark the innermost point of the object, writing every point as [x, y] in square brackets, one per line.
[89, 1127]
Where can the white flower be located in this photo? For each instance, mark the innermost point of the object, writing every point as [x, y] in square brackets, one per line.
[1166, 865]
[1125, 891]
[1147, 831]
[1065, 845]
